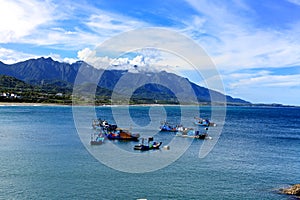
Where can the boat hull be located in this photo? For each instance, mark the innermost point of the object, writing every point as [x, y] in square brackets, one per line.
[142, 147]
[96, 142]
[194, 135]
[118, 137]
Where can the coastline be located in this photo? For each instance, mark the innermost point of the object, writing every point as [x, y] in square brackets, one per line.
[30, 104]
[104, 105]
[100, 105]
[115, 105]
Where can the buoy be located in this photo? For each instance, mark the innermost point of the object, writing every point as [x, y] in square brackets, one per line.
[167, 147]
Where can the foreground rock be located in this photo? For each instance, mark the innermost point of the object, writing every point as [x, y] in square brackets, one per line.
[293, 190]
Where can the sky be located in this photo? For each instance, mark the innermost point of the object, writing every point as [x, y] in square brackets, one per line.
[255, 45]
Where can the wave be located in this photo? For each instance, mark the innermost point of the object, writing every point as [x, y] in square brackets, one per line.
[288, 137]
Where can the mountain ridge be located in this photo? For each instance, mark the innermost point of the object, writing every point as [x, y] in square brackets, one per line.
[41, 70]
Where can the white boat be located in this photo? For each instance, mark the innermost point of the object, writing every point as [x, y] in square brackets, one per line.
[193, 134]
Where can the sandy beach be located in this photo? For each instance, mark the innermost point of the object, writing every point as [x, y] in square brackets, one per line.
[53, 104]
[29, 104]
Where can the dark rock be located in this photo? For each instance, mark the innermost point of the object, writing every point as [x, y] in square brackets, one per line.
[293, 190]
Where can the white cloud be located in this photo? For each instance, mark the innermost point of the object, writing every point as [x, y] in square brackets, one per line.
[90, 56]
[234, 41]
[138, 62]
[297, 2]
[47, 23]
[266, 80]
[84, 54]
[112, 23]
[257, 49]
[264, 87]
[120, 62]
[69, 60]
[21, 18]
[9, 56]
[141, 60]
[58, 58]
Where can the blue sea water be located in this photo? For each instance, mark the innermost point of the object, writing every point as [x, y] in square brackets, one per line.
[42, 157]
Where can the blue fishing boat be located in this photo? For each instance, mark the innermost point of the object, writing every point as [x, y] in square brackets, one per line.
[203, 122]
[148, 145]
[166, 127]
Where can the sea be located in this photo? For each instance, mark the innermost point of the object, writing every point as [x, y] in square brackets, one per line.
[44, 155]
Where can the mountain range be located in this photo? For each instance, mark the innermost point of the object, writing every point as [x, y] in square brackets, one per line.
[144, 87]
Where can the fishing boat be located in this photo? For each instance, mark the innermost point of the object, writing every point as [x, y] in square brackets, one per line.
[97, 139]
[166, 127]
[103, 125]
[193, 134]
[149, 145]
[122, 134]
[203, 122]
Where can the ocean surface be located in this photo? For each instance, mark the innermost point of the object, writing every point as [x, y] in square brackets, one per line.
[43, 157]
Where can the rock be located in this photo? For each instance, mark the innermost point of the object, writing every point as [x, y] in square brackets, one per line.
[293, 190]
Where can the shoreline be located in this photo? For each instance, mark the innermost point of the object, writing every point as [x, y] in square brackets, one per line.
[84, 105]
[30, 104]
[158, 105]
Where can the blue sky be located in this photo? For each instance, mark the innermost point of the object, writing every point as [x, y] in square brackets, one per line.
[255, 45]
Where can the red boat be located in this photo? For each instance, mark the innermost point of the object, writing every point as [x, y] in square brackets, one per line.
[121, 134]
